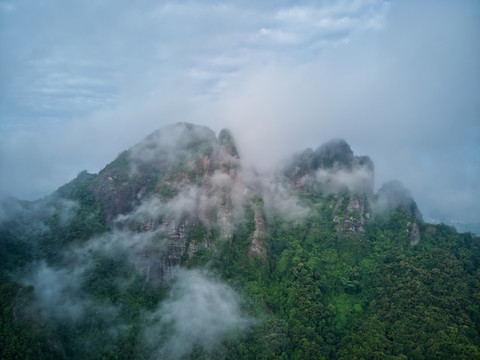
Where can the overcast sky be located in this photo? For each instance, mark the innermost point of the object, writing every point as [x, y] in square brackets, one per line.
[80, 81]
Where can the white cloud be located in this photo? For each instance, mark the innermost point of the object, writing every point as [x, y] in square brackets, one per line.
[280, 201]
[358, 180]
[58, 292]
[199, 311]
[278, 36]
[395, 79]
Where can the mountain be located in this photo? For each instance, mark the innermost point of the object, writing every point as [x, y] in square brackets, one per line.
[177, 250]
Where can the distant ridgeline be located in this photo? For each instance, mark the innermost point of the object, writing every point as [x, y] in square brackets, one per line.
[175, 250]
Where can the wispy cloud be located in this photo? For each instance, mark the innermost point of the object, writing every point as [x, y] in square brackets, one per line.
[199, 311]
[398, 80]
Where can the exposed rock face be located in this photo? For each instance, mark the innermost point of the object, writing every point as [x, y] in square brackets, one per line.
[225, 183]
[187, 186]
[116, 193]
[178, 176]
[414, 233]
[354, 217]
[166, 160]
[257, 245]
[351, 221]
[334, 169]
[155, 244]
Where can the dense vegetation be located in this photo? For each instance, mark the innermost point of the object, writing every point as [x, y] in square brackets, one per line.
[74, 281]
[316, 296]
[374, 297]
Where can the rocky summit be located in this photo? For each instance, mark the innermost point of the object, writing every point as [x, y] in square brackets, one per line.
[177, 250]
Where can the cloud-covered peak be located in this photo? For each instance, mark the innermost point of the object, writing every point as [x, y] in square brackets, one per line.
[334, 151]
[172, 139]
[332, 168]
[399, 79]
[393, 195]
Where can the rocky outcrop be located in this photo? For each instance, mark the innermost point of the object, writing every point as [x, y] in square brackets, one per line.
[225, 184]
[162, 163]
[159, 256]
[354, 215]
[333, 169]
[350, 219]
[182, 179]
[257, 245]
[414, 233]
[178, 176]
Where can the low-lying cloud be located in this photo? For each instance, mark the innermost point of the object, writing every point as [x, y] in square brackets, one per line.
[200, 311]
[393, 195]
[280, 201]
[57, 292]
[58, 289]
[359, 180]
[397, 79]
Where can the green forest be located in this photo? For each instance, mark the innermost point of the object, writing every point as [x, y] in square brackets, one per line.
[315, 296]
[87, 275]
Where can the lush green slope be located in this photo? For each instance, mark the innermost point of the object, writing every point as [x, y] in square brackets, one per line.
[339, 280]
[316, 296]
[375, 297]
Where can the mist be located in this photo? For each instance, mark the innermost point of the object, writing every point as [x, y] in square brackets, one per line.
[57, 292]
[200, 310]
[61, 290]
[397, 80]
[280, 201]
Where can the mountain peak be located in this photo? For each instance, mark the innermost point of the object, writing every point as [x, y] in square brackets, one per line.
[333, 167]
[335, 147]
[151, 243]
[166, 161]
[393, 195]
[174, 140]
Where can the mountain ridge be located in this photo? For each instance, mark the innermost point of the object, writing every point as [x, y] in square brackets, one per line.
[141, 259]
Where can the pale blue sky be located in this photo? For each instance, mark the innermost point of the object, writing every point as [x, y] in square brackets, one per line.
[80, 81]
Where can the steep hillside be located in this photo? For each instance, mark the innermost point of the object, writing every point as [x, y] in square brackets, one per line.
[175, 250]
